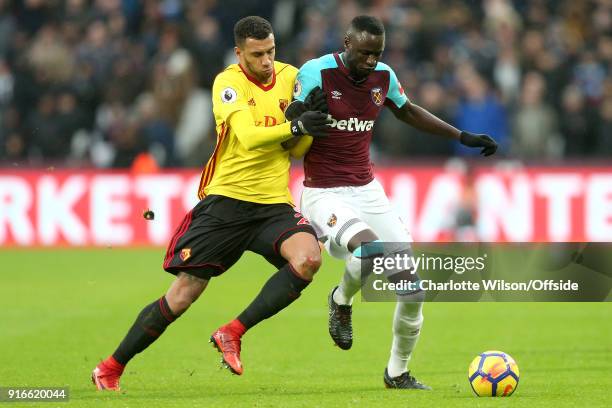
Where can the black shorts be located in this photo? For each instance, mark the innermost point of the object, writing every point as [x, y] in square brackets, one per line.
[217, 231]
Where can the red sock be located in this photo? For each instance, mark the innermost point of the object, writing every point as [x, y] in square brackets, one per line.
[236, 327]
[113, 364]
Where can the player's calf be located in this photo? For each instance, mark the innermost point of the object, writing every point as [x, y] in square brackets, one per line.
[151, 322]
[282, 289]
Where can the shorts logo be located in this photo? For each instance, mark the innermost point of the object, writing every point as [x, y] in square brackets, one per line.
[282, 104]
[377, 96]
[185, 254]
[332, 220]
[228, 95]
[297, 88]
[302, 220]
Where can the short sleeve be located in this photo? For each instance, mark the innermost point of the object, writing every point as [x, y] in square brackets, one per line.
[308, 78]
[395, 93]
[228, 97]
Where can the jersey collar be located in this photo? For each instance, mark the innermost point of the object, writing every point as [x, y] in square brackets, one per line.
[256, 81]
[340, 63]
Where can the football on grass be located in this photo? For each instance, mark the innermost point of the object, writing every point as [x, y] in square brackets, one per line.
[493, 374]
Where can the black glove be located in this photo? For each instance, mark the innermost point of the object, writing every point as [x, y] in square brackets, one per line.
[316, 101]
[473, 140]
[295, 109]
[311, 123]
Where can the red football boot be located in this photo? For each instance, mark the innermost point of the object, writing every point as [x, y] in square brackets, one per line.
[106, 375]
[227, 341]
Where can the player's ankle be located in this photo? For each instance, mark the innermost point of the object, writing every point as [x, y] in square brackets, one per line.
[236, 327]
[396, 366]
[340, 298]
[395, 371]
[112, 364]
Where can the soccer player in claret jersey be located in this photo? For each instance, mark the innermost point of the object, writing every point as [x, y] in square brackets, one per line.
[245, 204]
[346, 205]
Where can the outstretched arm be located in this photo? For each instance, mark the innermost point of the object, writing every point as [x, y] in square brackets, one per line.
[422, 119]
[253, 137]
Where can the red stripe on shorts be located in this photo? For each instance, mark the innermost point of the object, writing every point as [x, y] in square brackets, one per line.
[179, 233]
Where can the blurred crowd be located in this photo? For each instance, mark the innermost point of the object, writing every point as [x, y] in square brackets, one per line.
[118, 83]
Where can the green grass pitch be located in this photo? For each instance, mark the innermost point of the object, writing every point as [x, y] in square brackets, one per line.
[62, 310]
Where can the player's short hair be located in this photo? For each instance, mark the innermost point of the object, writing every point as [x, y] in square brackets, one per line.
[251, 27]
[368, 24]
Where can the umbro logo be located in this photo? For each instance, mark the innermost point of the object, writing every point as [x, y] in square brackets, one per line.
[336, 94]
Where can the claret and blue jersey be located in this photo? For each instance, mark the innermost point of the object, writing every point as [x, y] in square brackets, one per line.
[343, 158]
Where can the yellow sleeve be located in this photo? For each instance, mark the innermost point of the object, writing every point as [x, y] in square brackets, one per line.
[254, 137]
[228, 97]
[301, 147]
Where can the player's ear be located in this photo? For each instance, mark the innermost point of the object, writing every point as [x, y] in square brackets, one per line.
[347, 41]
[237, 51]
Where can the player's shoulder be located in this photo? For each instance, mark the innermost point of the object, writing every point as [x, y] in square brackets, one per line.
[395, 88]
[381, 66]
[233, 73]
[318, 64]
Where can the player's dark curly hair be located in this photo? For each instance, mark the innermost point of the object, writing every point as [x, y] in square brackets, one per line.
[251, 27]
[368, 24]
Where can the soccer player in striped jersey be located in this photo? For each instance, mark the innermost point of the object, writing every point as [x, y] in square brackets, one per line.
[345, 204]
[245, 204]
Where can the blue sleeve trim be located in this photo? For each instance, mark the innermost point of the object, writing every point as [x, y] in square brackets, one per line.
[396, 92]
[369, 249]
[309, 76]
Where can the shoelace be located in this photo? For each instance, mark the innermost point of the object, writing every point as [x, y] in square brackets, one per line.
[344, 315]
[407, 378]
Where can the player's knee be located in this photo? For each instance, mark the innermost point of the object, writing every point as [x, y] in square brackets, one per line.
[313, 262]
[306, 265]
[412, 300]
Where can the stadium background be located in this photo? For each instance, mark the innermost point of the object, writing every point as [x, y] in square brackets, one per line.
[105, 111]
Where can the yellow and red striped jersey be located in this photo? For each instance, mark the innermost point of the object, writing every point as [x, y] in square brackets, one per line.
[259, 175]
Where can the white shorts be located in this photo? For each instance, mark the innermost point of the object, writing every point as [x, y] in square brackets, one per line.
[338, 213]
